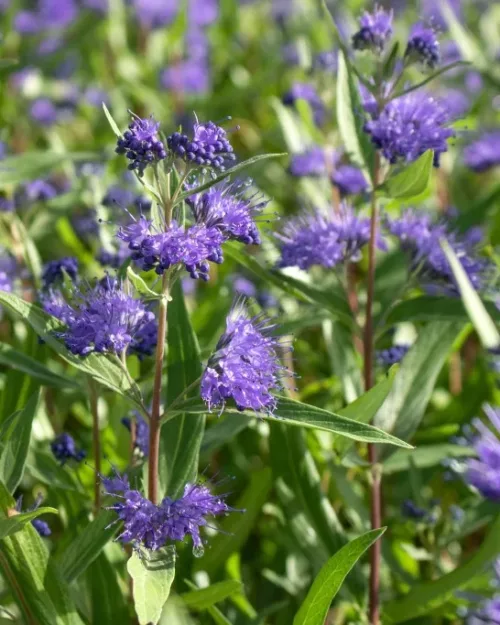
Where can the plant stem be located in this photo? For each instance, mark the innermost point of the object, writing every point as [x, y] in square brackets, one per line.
[368, 348]
[96, 444]
[155, 421]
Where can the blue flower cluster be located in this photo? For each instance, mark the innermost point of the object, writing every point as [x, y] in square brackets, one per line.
[152, 526]
[375, 31]
[392, 355]
[103, 319]
[423, 46]
[349, 180]
[325, 240]
[209, 146]
[141, 144]
[314, 162]
[421, 238]
[307, 92]
[484, 153]
[64, 449]
[245, 365]
[40, 526]
[409, 126]
[54, 270]
[483, 472]
[224, 212]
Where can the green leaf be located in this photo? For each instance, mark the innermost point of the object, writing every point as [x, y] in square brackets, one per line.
[32, 165]
[236, 527]
[429, 308]
[350, 119]
[314, 609]
[112, 123]
[221, 432]
[35, 582]
[230, 172]
[486, 329]
[16, 522]
[413, 180]
[292, 412]
[22, 362]
[203, 598]
[181, 436]
[425, 597]
[414, 382]
[87, 545]
[152, 575]
[425, 456]
[139, 284]
[16, 442]
[108, 601]
[96, 366]
[365, 407]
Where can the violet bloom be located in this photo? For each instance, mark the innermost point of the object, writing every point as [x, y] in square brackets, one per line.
[314, 162]
[421, 238]
[457, 102]
[423, 46]
[349, 180]
[243, 286]
[44, 112]
[392, 355]
[325, 240]
[152, 526]
[38, 191]
[484, 153]
[141, 144]
[245, 366]
[40, 526]
[141, 443]
[57, 13]
[64, 449]
[208, 147]
[327, 61]
[54, 271]
[307, 92]
[203, 12]
[191, 76]
[409, 126]
[8, 270]
[27, 23]
[483, 472]
[375, 30]
[412, 511]
[155, 13]
[101, 319]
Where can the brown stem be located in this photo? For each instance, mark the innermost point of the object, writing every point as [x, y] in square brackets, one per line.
[155, 422]
[368, 348]
[96, 444]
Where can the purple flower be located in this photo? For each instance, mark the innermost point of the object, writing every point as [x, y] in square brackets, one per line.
[243, 286]
[483, 472]
[38, 191]
[102, 319]
[141, 432]
[421, 238]
[317, 239]
[40, 526]
[457, 102]
[57, 13]
[44, 112]
[203, 12]
[27, 23]
[85, 224]
[208, 147]
[152, 526]
[349, 180]
[307, 92]
[141, 145]
[7, 205]
[375, 30]
[484, 153]
[155, 13]
[327, 61]
[423, 46]
[191, 76]
[54, 270]
[314, 162]
[245, 366]
[116, 257]
[392, 355]
[8, 270]
[229, 208]
[409, 126]
[54, 304]
[412, 511]
[64, 449]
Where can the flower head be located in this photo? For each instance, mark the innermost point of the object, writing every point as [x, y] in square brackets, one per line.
[152, 526]
[314, 162]
[350, 180]
[392, 355]
[155, 13]
[412, 511]
[317, 239]
[409, 126]
[484, 153]
[245, 365]
[141, 144]
[8, 270]
[141, 433]
[483, 472]
[40, 526]
[54, 270]
[208, 147]
[38, 191]
[190, 76]
[375, 30]
[307, 92]
[423, 46]
[64, 449]
[44, 112]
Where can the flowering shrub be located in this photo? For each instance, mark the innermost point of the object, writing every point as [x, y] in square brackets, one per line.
[249, 312]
